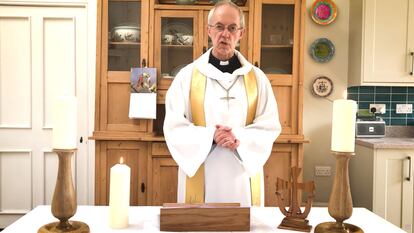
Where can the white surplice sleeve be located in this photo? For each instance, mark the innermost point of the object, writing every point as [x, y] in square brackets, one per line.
[188, 144]
[256, 139]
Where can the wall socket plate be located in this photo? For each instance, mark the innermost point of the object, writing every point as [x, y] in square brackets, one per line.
[322, 171]
[404, 108]
[379, 108]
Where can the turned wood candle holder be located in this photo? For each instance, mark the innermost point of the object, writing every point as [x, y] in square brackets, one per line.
[340, 200]
[64, 198]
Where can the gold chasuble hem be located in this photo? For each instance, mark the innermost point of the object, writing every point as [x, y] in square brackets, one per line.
[250, 84]
[195, 185]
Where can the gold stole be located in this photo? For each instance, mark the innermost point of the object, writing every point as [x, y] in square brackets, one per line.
[195, 185]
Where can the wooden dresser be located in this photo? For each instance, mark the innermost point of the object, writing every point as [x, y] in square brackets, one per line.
[273, 41]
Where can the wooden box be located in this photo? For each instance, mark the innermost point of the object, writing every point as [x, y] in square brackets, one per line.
[204, 217]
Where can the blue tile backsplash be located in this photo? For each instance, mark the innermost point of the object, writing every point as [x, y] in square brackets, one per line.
[390, 96]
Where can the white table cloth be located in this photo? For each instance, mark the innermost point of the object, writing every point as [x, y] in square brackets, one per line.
[146, 219]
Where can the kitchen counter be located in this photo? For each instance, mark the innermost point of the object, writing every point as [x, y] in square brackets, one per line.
[396, 137]
[386, 143]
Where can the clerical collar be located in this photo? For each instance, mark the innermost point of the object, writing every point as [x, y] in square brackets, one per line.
[228, 66]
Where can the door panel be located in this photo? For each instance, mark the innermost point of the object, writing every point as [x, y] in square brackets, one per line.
[34, 69]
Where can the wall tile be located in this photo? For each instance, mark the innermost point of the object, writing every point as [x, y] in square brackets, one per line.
[382, 97]
[384, 90]
[390, 96]
[398, 97]
[366, 97]
[396, 90]
[398, 121]
[366, 89]
[353, 90]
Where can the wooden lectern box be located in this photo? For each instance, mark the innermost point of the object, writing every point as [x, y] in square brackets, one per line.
[204, 217]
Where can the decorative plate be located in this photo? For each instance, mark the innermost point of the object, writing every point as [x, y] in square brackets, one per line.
[322, 50]
[323, 12]
[322, 86]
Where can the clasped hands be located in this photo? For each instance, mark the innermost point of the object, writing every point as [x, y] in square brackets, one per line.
[225, 138]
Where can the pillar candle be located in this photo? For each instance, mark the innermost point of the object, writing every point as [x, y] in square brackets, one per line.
[65, 124]
[119, 195]
[343, 125]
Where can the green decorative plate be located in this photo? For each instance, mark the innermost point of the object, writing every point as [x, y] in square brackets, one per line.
[322, 50]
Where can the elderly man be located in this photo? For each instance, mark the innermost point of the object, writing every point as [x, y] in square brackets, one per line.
[221, 119]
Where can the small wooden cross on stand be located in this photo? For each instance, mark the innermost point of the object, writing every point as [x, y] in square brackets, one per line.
[295, 219]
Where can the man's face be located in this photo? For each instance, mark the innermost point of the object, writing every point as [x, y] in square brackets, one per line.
[224, 31]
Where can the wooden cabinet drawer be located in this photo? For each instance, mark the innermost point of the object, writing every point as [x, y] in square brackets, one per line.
[160, 149]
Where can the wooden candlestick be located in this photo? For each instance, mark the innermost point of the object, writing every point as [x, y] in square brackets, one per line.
[340, 200]
[64, 198]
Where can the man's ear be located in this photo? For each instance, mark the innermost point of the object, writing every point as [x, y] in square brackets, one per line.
[242, 33]
[209, 31]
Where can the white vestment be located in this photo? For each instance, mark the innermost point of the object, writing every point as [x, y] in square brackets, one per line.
[227, 174]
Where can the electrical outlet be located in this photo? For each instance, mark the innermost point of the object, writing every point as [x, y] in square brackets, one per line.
[377, 108]
[322, 171]
[404, 108]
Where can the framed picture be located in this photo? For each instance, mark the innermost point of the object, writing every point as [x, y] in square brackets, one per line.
[143, 80]
[143, 97]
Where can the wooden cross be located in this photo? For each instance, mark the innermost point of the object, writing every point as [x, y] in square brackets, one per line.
[295, 219]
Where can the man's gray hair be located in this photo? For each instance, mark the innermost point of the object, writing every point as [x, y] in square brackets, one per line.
[228, 3]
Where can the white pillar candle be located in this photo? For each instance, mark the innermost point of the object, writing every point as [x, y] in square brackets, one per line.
[343, 125]
[119, 195]
[65, 124]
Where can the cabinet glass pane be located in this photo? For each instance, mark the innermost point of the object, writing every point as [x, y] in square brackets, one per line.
[124, 35]
[176, 45]
[276, 54]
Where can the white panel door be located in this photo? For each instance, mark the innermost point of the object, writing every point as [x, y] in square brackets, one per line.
[43, 54]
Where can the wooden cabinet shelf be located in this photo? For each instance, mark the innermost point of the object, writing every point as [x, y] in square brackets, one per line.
[125, 43]
[141, 140]
[271, 46]
[174, 46]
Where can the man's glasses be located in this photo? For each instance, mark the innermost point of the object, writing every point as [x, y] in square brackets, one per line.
[220, 28]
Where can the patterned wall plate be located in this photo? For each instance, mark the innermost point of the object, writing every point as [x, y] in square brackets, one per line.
[322, 50]
[322, 86]
[323, 12]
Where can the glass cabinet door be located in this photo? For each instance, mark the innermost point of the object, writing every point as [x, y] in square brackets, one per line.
[277, 38]
[124, 35]
[175, 42]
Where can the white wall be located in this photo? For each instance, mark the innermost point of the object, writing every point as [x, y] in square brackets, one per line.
[317, 112]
